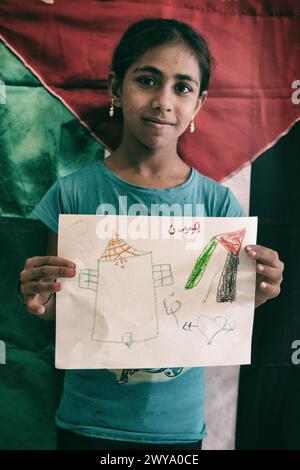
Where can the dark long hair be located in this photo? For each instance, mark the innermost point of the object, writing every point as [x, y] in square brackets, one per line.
[154, 32]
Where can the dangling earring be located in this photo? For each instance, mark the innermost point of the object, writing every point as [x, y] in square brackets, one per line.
[111, 109]
[192, 126]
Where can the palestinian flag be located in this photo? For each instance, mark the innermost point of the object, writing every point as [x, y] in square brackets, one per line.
[55, 56]
[232, 242]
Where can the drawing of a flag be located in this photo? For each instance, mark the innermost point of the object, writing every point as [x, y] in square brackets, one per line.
[232, 242]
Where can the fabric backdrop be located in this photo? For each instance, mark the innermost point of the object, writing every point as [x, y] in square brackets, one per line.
[53, 119]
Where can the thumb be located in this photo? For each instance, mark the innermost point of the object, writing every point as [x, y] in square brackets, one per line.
[34, 304]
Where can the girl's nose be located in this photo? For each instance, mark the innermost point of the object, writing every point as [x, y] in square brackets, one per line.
[162, 101]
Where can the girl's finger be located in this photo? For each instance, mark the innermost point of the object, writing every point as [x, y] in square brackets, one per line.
[48, 260]
[46, 272]
[32, 288]
[34, 307]
[269, 274]
[269, 290]
[265, 255]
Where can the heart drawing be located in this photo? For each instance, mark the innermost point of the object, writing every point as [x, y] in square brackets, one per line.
[210, 327]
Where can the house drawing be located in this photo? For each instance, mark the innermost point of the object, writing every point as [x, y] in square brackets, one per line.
[119, 291]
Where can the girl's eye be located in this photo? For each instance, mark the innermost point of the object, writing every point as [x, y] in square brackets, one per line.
[181, 87]
[145, 80]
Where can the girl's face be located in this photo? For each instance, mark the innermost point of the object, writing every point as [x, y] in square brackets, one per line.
[163, 85]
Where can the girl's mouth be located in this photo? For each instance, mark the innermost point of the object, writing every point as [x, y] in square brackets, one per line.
[156, 125]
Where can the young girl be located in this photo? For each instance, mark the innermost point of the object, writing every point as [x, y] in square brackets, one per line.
[158, 79]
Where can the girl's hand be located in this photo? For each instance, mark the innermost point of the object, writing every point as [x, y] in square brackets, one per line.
[269, 270]
[38, 280]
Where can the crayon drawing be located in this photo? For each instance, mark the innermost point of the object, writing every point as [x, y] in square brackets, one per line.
[121, 265]
[232, 242]
[182, 298]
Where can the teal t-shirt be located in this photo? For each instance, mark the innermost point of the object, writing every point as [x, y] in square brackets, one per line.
[139, 405]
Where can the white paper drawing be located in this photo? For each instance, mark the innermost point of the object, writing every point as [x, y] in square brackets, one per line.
[155, 302]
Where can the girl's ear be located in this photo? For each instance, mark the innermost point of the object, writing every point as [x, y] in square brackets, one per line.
[203, 97]
[114, 88]
[200, 102]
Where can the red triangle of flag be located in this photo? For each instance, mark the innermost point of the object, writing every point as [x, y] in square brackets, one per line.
[232, 241]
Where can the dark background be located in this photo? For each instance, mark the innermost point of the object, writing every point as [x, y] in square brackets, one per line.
[269, 390]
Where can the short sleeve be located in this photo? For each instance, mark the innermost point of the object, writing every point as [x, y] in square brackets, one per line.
[51, 205]
[232, 207]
